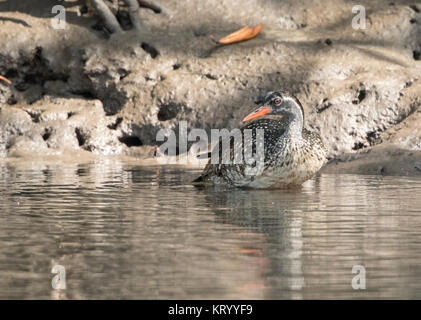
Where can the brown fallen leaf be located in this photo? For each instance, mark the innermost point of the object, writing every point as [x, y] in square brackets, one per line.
[245, 33]
[5, 80]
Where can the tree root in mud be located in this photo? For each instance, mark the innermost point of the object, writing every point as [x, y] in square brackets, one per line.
[110, 20]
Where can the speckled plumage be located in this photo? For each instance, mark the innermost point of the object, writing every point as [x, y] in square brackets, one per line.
[292, 154]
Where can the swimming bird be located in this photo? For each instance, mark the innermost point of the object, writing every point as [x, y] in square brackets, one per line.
[283, 153]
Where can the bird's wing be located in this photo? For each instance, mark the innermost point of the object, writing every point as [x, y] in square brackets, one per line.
[273, 129]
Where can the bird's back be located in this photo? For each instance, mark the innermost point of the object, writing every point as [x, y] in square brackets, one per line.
[216, 169]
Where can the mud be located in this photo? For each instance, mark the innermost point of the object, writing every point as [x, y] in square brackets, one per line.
[80, 89]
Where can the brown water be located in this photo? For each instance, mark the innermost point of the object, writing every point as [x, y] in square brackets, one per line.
[123, 230]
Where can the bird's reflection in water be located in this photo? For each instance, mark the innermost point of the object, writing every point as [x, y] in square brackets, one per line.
[271, 225]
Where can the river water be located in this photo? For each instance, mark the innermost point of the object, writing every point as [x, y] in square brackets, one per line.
[125, 230]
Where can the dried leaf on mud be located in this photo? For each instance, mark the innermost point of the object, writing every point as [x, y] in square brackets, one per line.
[242, 34]
[5, 80]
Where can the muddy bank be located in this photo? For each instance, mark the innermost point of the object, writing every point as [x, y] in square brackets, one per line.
[399, 153]
[379, 160]
[80, 90]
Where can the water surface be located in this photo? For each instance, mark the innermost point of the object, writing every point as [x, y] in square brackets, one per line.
[130, 231]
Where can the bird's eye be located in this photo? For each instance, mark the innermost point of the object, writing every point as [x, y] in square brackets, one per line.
[277, 101]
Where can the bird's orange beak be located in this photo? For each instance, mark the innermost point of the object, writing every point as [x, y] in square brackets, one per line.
[257, 113]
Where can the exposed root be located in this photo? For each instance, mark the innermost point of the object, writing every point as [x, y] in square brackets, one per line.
[108, 18]
[134, 13]
[149, 5]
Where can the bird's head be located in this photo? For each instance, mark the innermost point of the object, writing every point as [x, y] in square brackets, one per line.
[277, 103]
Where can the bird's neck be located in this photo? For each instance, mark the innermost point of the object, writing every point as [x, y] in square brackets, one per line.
[295, 126]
